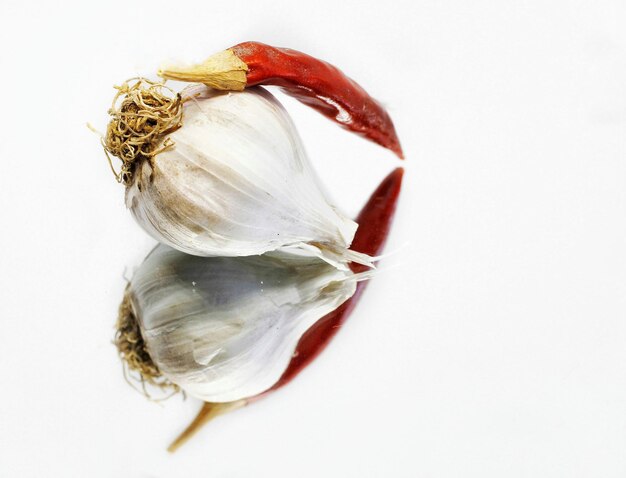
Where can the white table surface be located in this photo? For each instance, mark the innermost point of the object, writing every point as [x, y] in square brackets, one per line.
[494, 345]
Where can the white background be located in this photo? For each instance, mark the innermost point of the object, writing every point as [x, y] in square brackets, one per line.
[495, 345]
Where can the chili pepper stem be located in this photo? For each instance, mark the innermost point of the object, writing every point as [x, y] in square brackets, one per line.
[222, 71]
[207, 413]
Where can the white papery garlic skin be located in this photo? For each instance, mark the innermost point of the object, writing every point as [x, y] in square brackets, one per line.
[236, 182]
[225, 328]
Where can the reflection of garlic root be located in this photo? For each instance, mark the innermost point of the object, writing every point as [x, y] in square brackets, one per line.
[222, 174]
[225, 329]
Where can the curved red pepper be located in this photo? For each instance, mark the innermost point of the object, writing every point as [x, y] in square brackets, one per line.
[321, 86]
[374, 223]
[314, 82]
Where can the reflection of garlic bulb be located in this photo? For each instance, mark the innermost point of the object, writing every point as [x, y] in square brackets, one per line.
[236, 182]
[226, 328]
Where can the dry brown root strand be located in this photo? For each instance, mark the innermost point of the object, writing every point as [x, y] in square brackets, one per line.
[143, 113]
[138, 364]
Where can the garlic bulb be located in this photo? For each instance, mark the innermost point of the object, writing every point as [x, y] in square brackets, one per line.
[234, 180]
[224, 328]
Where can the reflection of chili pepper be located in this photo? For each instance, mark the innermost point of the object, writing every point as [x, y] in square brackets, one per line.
[313, 82]
[374, 223]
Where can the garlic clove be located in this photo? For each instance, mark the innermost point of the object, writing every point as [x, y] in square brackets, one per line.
[235, 181]
[224, 329]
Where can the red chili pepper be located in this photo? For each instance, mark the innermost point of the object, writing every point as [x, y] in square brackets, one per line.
[374, 223]
[314, 82]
